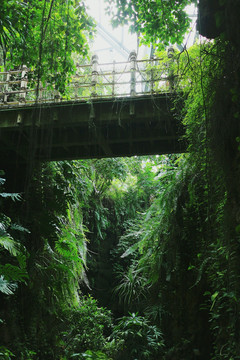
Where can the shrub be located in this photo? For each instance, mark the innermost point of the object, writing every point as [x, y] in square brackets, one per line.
[136, 338]
[87, 328]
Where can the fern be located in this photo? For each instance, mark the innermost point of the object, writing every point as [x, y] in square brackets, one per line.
[13, 273]
[19, 228]
[6, 287]
[13, 196]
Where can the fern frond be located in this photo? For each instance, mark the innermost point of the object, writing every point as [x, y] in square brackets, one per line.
[66, 249]
[13, 196]
[130, 250]
[6, 287]
[19, 228]
[13, 273]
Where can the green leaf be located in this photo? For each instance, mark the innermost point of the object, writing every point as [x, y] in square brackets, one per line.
[130, 250]
[6, 287]
[9, 244]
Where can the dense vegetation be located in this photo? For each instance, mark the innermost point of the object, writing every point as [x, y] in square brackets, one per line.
[134, 258]
[45, 35]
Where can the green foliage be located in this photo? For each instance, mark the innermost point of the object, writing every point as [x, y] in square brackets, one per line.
[71, 244]
[6, 287]
[5, 354]
[86, 328]
[144, 236]
[180, 241]
[163, 231]
[54, 275]
[12, 15]
[132, 286]
[137, 338]
[91, 355]
[11, 273]
[43, 35]
[9, 244]
[157, 22]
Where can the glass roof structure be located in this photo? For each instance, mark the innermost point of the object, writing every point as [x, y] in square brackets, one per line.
[116, 44]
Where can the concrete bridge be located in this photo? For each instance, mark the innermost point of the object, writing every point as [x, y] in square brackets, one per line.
[123, 110]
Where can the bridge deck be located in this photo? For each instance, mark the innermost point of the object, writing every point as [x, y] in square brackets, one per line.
[98, 128]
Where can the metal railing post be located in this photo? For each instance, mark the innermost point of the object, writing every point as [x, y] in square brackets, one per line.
[94, 79]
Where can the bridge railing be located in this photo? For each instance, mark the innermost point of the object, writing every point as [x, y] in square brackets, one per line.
[109, 80]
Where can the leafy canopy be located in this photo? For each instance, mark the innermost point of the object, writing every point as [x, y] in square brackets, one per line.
[155, 21]
[44, 35]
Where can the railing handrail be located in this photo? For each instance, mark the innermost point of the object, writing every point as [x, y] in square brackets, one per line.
[124, 78]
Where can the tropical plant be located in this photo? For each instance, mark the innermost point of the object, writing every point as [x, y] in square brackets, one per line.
[5, 354]
[13, 256]
[163, 228]
[72, 247]
[12, 18]
[11, 273]
[184, 243]
[137, 338]
[86, 329]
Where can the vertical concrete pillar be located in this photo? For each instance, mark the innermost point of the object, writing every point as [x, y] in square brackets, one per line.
[94, 79]
[113, 79]
[5, 99]
[132, 58]
[23, 85]
[171, 78]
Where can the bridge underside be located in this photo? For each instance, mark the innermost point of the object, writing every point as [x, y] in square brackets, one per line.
[100, 128]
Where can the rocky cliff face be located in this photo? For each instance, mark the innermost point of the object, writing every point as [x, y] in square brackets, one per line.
[219, 18]
[211, 18]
